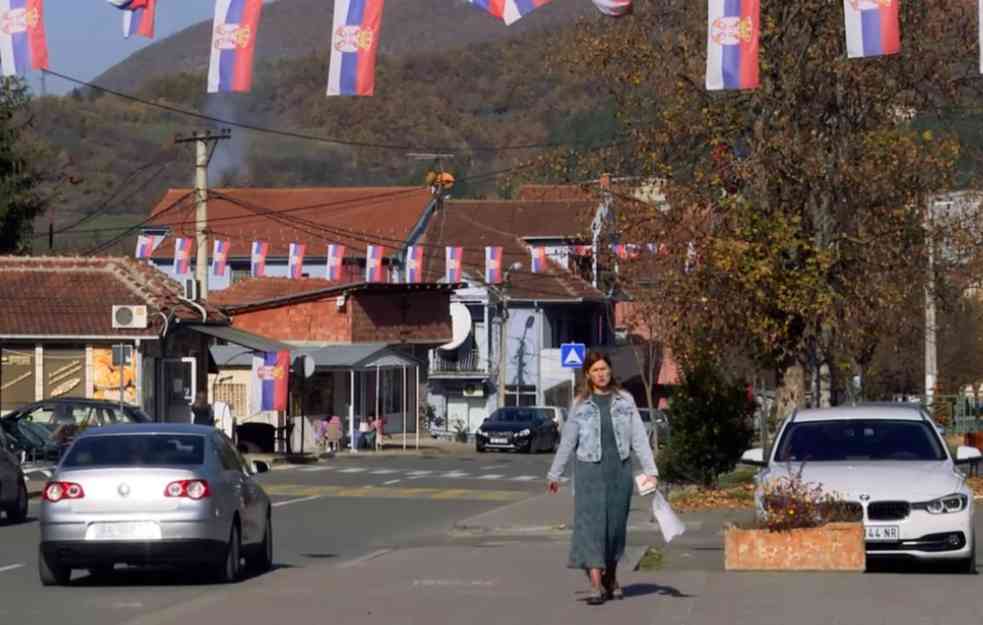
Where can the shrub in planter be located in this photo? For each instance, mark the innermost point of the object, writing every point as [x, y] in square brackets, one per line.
[801, 527]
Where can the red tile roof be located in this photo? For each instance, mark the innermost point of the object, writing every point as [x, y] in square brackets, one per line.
[476, 224]
[65, 296]
[315, 216]
[556, 192]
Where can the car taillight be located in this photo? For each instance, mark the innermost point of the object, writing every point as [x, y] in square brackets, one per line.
[56, 491]
[192, 489]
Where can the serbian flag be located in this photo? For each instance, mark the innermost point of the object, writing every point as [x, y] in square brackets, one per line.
[454, 264]
[296, 261]
[257, 265]
[582, 250]
[373, 264]
[220, 257]
[509, 11]
[620, 250]
[269, 383]
[354, 42]
[414, 264]
[336, 256]
[493, 265]
[138, 18]
[147, 244]
[872, 28]
[233, 45]
[538, 259]
[182, 256]
[732, 44]
[22, 42]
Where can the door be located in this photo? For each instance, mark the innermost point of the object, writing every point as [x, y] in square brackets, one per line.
[457, 414]
[179, 384]
[245, 490]
[477, 411]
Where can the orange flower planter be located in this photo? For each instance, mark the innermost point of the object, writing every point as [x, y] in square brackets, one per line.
[832, 547]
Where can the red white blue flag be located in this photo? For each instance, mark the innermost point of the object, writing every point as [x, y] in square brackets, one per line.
[182, 256]
[414, 264]
[493, 265]
[138, 18]
[354, 42]
[454, 257]
[373, 264]
[620, 250]
[732, 44]
[147, 244]
[220, 257]
[538, 259]
[509, 11]
[271, 372]
[233, 45]
[336, 256]
[872, 27]
[295, 263]
[22, 42]
[257, 264]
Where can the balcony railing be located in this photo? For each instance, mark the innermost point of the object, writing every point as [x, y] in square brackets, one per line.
[461, 361]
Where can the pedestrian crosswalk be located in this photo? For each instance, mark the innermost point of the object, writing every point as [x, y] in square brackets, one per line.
[420, 474]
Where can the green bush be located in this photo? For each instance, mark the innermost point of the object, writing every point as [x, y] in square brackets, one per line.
[711, 420]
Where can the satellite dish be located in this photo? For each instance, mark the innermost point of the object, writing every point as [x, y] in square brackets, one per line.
[461, 322]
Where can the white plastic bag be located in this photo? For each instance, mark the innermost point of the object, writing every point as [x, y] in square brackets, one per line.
[614, 8]
[670, 524]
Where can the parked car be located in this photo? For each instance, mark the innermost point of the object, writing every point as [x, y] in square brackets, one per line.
[889, 462]
[518, 428]
[32, 440]
[13, 486]
[138, 494]
[63, 418]
[557, 414]
[656, 425]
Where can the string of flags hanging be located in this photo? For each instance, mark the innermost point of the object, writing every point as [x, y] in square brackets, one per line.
[872, 28]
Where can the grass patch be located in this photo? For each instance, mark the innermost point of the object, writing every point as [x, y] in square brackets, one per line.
[651, 561]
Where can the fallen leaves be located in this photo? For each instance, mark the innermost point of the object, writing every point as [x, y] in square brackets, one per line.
[976, 483]
[696, 499]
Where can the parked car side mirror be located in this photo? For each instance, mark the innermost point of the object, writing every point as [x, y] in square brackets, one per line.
[754, 457]
[258, 466]
[967, 454]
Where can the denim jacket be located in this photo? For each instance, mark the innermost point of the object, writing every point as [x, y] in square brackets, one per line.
[582, 432]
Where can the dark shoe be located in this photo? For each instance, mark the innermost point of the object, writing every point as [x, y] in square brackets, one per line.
[596, 597]
[616, 593]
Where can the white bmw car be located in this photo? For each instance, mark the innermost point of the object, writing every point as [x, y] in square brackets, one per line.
[892, 462]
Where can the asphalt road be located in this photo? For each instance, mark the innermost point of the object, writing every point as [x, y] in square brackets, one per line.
[340, 510]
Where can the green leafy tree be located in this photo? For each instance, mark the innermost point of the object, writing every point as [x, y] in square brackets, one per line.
[711, 420]
[19, 199]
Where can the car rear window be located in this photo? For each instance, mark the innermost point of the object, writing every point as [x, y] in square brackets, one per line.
[859, 440]
[133, 450]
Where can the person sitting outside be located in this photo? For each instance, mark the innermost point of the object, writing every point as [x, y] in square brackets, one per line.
[379, 424]
[365, 434]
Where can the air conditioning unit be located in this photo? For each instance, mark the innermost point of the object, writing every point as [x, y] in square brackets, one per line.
[474, 390]
[130, 317]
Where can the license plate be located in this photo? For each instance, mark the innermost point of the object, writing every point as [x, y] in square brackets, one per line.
[500, 441]
[127, 530]
[882, 532]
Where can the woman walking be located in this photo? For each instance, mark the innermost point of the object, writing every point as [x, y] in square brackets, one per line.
[604, 427]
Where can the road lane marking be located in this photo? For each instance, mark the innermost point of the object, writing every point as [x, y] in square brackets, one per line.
[491, 476]
[383, 471]
[353, 470]
[391, 482]
[365, 558]
[494, 466]
[313, 469]
[418, 473]
[525, 478]
[300, 491]
[10, 567]
[290, 501]
[455, 474]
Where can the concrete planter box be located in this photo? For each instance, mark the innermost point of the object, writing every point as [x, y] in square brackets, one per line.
[833, 547]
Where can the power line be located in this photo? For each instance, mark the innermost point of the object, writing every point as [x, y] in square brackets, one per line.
[135, 227]
[308, 137]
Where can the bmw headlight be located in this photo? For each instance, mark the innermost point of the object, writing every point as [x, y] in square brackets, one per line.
[524, 432]
[946, 505]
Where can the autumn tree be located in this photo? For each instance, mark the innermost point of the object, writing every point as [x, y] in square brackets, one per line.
[795, 217]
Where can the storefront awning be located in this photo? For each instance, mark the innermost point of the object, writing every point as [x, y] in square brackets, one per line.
[241, 338]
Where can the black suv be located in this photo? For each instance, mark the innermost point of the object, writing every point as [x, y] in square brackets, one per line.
[44, 428]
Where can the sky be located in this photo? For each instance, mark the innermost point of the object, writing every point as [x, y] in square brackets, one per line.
[85, 37]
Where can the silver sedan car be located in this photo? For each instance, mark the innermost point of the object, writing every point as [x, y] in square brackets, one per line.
[154, 494]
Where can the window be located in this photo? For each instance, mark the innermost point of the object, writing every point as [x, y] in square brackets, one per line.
[134, 450]
[41, 414]
[524, 395]
[860, 440]
[227, 455]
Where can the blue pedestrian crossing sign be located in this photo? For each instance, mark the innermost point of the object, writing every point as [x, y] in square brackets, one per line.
[572, 355]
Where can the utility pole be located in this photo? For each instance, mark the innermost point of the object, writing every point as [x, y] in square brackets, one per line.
[205, 144]
[931, 353]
